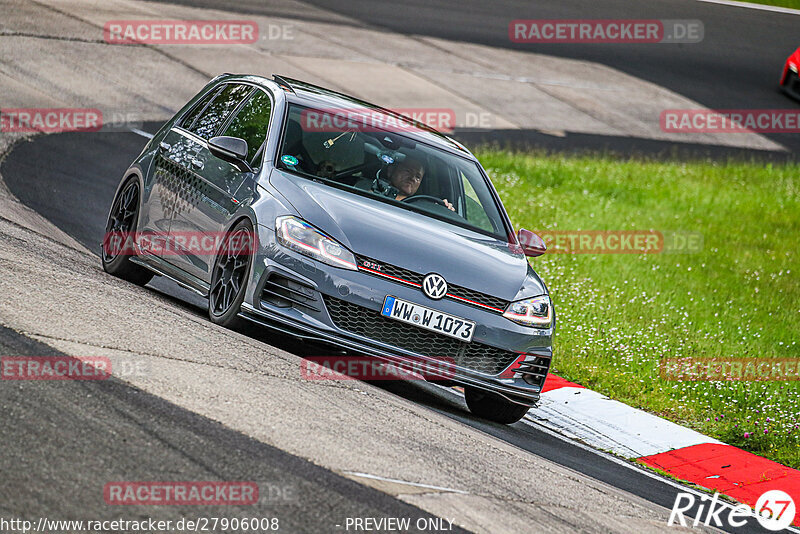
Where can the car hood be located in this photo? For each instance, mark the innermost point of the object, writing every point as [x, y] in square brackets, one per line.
[390, 234]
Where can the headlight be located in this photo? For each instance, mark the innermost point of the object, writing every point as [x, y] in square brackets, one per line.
[301, 237]
[792, 67]
[536, 312]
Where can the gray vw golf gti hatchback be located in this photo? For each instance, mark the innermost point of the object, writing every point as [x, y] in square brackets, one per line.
[330, 219]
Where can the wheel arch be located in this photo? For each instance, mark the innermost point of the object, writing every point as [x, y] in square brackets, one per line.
[239, 218]
[130, 173]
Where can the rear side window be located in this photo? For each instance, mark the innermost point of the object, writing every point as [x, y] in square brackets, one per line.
[251, 122]
[218, 110]
[190, 117]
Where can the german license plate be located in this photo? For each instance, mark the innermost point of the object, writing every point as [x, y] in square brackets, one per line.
[435, 321]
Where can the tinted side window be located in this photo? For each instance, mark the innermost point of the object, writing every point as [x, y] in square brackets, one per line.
[214, 115]
[251, 122]
[190, 117]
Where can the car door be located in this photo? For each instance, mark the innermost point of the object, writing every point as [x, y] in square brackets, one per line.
[171, 163]
[206, 197]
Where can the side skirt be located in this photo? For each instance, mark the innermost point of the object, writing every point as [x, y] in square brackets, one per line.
[179, 276]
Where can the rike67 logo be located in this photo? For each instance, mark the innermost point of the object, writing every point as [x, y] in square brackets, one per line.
[774, 510]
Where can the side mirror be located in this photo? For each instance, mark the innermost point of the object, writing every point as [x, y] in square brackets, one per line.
[532, 244]
[231, 149]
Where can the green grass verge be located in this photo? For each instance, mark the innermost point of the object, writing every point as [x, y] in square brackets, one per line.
[794, 4]
[620, 314]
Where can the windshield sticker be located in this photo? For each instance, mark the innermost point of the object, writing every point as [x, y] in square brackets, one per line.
[289, 160]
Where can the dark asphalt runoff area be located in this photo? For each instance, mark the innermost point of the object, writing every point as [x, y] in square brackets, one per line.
[70, 179]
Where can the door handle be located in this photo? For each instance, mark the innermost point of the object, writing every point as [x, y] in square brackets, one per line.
[197, 164]
[163, 145]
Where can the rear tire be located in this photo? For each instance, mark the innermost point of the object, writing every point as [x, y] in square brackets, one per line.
[230, 276]
[493, 407]
[122, 222]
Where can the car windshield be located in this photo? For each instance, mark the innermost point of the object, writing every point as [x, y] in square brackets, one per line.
[362, 152]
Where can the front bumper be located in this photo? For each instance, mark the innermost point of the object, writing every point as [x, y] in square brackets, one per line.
[791, 84]
[304, 298]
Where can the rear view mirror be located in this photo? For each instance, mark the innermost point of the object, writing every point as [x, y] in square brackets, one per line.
[532, 244]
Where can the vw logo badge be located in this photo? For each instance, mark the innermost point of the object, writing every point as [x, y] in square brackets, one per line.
[434, 286]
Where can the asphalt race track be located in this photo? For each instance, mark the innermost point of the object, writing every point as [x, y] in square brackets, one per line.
[78, 435]
[70, 178]
[110, 431]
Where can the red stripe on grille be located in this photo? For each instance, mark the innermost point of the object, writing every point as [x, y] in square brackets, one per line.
[475, 303]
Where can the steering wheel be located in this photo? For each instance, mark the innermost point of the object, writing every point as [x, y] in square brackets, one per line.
[429, 198]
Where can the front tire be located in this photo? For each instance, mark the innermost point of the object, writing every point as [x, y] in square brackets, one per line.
[493, 407]
[117, 247]
[230, 275]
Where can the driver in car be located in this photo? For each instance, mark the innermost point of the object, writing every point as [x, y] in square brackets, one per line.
[405, 178]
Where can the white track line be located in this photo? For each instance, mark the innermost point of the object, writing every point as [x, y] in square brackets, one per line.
[142, 133]
[396, 481]
[760, 7]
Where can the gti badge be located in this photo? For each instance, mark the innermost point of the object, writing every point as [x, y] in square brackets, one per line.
[371, 265]
[434, 286]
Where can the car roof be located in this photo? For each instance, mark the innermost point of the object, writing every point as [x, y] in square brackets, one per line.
[315, 96]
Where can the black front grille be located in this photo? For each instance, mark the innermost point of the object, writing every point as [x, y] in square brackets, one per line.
[392, 270]
[371, 324]
[416, 278]
[480, 298]
[284, 292]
